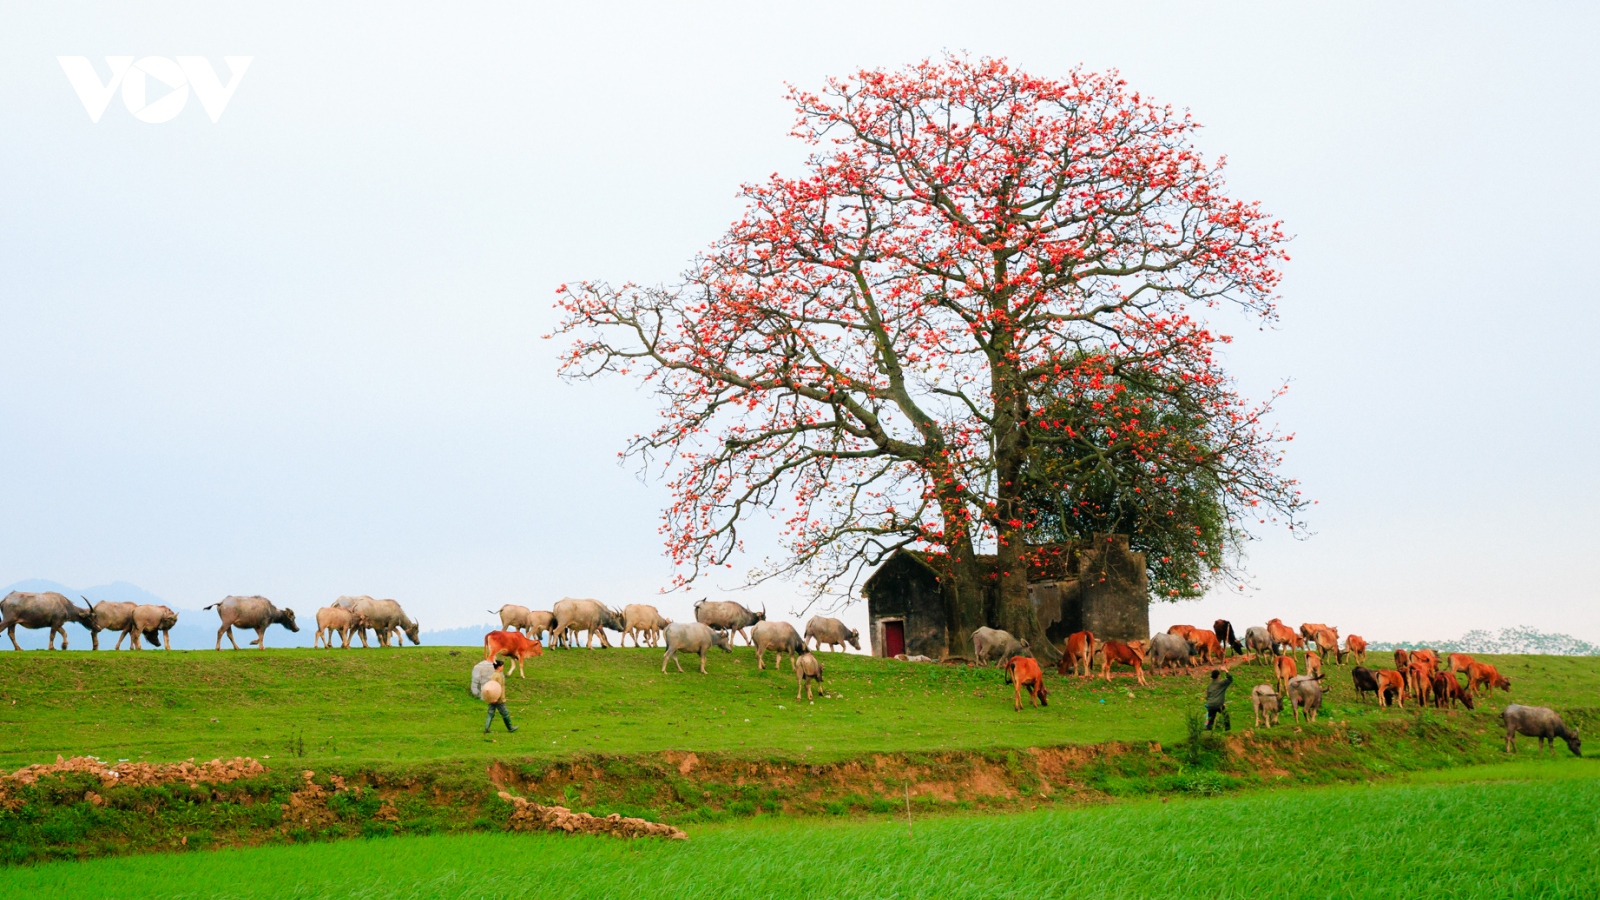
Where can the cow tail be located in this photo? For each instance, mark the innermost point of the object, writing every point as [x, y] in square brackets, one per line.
[212, 606]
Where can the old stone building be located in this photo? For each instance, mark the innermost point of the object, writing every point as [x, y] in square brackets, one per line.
[1097, 585]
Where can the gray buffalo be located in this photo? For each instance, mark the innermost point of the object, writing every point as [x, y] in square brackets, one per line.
[573, 616]
[807, 668]
[532, 622]
[45, 610]
[780, 638]
[992, 643]
[384, 617]
[642, 621]
[1305, 693]
[250, 612]
[832, 632]
[1538, 722]
[155, 622]
[112, 616]
[1167, 650]
[693, 637]
[1258, 640]
[728, 616]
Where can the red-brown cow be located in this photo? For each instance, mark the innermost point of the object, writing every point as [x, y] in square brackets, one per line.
[1282, 634]
[1401, 659]
[513, 644]
[1356, 646]
[1183, 631]
[1419, 678]
[1425, 655]
[1079, 653]
[1313, 664]
[1024, 672]
[1327, 643]
[1207, 644]
[1446, 689]
[1308, 631]
[1390, 680]
[1128, 654]
[1460, 662]
[1284, 667]
[1485, 676]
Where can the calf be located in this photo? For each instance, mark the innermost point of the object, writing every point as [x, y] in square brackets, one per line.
[1482, 675]
[1460, 662]
[1540, 722]
[1129, 654]
[1390, 681]
[1024, 672]
[1079, 653]
[1267, 705]
[1284, 667]
[1356, 646]
[1365, 681]
[514, 644]
[807, 668]
[331, 620]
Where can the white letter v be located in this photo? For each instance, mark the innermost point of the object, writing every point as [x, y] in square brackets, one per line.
[94, 95]
[213, 96]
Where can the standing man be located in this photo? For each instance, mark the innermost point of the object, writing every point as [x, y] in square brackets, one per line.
[1217, 699]
[493, 693]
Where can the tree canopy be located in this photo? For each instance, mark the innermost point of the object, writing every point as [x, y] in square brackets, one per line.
[867, 352]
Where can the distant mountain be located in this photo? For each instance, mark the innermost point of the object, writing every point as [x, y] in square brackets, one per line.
[1509, 640]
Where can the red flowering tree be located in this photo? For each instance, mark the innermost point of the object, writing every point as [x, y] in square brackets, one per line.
[866, 353]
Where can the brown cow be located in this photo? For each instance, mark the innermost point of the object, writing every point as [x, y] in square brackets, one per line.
[1024, 672]
[1284, 667]
[1129, 654]
[1460, 662]
[1401, 659]
[1356, 646]
[1313, 664]
[1079, 653]
[1419, 678]
[1327, 641]
[1388, 680]
[1308, 631]
[1183, 631]
[1427, 656]
[513, 644]
[1207, 644]
[1446, 689]
[1487, 677]
[1282, 634]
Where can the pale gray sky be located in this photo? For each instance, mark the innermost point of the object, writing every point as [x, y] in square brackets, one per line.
[297, 352]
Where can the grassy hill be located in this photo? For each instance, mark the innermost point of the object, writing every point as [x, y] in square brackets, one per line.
[412, 705]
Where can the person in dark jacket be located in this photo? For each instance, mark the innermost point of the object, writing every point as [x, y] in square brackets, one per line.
[1217, 699]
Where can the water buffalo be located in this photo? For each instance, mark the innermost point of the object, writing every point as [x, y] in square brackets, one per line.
[250, 612]
[384, 617]
[832, 632]
[1223, 629]
[1539, 722]
[1305, 693]
[641, 621]
[155, 622]
[1259, 641]
[1267, 704]
[693, 637]
[45, 610]
[592, 616]
[1167, 650]
[807, 668]
[514, 616]
[110, 615]
[780, 638]
[992, 643]
[728, 616]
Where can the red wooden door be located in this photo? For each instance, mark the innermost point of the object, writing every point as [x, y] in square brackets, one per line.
[894, 638]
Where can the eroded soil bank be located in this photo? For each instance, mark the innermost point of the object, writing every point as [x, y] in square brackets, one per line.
[81, 807]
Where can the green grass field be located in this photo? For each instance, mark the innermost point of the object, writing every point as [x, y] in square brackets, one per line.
[411, 705]
[1522, 830]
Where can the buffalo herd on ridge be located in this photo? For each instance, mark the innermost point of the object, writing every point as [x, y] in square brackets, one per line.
[1418, 674]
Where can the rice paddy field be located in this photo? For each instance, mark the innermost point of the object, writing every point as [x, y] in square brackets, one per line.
[902, 780]
[1512, 831]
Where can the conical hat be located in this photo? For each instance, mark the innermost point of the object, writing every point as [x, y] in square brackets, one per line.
[493, 691]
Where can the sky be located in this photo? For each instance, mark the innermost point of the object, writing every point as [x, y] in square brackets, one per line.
[297, 352]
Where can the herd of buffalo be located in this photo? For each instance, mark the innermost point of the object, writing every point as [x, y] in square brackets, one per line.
[1418, 674]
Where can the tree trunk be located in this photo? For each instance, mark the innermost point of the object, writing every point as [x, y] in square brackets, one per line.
[963, 584]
